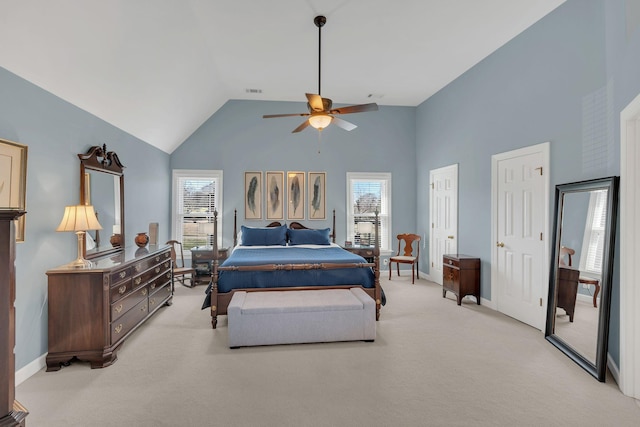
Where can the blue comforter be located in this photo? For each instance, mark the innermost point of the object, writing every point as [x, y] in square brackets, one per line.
[228, 280]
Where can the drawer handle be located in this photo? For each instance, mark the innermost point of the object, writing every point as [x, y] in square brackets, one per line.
[138, 280]
[122, 289]
[143, 308]
[144, 291]
[118, 328]
[152, 301]
[166, 264]
[138, 267]
[123, 274]
[157, 258]
[198, 256]
[153, 286]
[157, 270]
[169, 275]
[118, 309]
[450, 262]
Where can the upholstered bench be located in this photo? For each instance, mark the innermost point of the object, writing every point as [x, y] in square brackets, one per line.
[303, 316]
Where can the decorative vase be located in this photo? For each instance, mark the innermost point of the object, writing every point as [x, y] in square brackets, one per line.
[142, 239]
[116, 240]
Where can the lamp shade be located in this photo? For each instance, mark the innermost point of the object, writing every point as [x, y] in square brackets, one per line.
[320, 121]
[365, 227]
[79, 218]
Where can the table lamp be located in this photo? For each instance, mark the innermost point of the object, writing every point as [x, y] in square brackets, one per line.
[79, 219]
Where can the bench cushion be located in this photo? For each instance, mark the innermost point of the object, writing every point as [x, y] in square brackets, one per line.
[303, 316]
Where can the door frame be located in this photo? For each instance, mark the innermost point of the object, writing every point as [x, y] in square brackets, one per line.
[454, 168]
[629, 369]
[544, 149]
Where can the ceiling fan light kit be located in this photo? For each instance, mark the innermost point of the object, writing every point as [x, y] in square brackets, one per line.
[321, 114]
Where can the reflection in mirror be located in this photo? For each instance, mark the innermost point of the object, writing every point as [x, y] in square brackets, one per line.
[102, 185]
[581, 269]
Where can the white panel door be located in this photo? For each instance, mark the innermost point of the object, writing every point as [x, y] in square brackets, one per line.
[444, 217]
[520, 240]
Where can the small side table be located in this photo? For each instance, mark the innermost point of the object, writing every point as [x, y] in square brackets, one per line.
[461, 275]
[202, 262]
[365, 252]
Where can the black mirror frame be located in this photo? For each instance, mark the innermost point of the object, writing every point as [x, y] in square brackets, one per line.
[599, 369]
[98, 159]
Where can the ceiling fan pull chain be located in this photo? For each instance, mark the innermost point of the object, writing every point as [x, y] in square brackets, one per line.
[319, 139]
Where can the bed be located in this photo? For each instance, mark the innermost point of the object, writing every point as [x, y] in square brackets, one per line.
[293, 257]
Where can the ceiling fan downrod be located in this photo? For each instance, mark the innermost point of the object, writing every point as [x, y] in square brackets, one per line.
[319, 21]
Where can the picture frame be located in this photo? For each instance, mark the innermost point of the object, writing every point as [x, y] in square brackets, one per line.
[274, 193]
[13, 181]
[295, 195]
[253, 195]
[317, 195]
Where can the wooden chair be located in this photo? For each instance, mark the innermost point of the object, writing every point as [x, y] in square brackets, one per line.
[407, 257]
[566, 260]
[178, 270]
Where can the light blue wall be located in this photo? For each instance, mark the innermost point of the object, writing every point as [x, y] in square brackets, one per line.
[237, 139]
[563, 80]
[55, 132]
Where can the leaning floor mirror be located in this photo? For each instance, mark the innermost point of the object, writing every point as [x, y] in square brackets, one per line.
[581, 271]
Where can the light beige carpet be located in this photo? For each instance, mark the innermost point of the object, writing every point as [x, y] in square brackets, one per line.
[433, 364]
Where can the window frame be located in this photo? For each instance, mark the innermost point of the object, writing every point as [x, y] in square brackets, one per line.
[385, 214]
[178, 175]
[594, 234]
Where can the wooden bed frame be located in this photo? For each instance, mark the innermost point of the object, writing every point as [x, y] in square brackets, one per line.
[220, 301]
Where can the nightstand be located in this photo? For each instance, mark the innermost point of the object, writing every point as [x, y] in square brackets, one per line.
[461, 275]
[365, 252]
[202, 261]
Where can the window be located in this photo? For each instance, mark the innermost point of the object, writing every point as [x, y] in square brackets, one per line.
[366, 193]
[196, 195]
[593, 242]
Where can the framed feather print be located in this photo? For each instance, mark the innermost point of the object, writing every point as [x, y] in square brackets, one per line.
[317, 195]
[295, 195]
[275, 195]
[253, 195]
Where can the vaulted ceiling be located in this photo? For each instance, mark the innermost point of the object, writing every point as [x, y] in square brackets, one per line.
[158, 69]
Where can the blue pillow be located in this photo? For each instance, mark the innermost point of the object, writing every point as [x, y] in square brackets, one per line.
[309, 237]
[267, 236]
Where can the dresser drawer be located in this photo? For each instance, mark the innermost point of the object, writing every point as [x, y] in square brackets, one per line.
[150, 274]
[159, 281]
[159, 296]
[119, 275]
[451, 262]
[150, 262]
[120, 290]
[123, 305]
[129, 320]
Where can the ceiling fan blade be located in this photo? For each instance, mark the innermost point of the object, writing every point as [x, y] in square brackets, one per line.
[355, 109]
[303, 126]
[271, 116]
[315, 101]
[343, 124]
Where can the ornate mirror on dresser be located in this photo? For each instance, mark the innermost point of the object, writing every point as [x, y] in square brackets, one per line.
[102, 185]
[581, 271]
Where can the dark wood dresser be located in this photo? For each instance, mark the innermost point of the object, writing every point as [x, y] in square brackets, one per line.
[365, 252]
[461, 275]
[202, 260]
[93, 310]
[567, 289]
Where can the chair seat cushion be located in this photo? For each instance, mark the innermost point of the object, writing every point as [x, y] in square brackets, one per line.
[403, 258]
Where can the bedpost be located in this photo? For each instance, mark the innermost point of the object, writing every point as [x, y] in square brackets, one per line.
[214, 273]
[333, 236]
[376, 269]
[235, 228]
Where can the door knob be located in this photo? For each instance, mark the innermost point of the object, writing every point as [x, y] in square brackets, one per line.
[500, 244]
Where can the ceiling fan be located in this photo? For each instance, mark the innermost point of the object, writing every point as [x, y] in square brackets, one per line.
[321, 114]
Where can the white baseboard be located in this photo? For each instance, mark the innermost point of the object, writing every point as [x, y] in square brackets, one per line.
[31, 369]
[613, 368]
